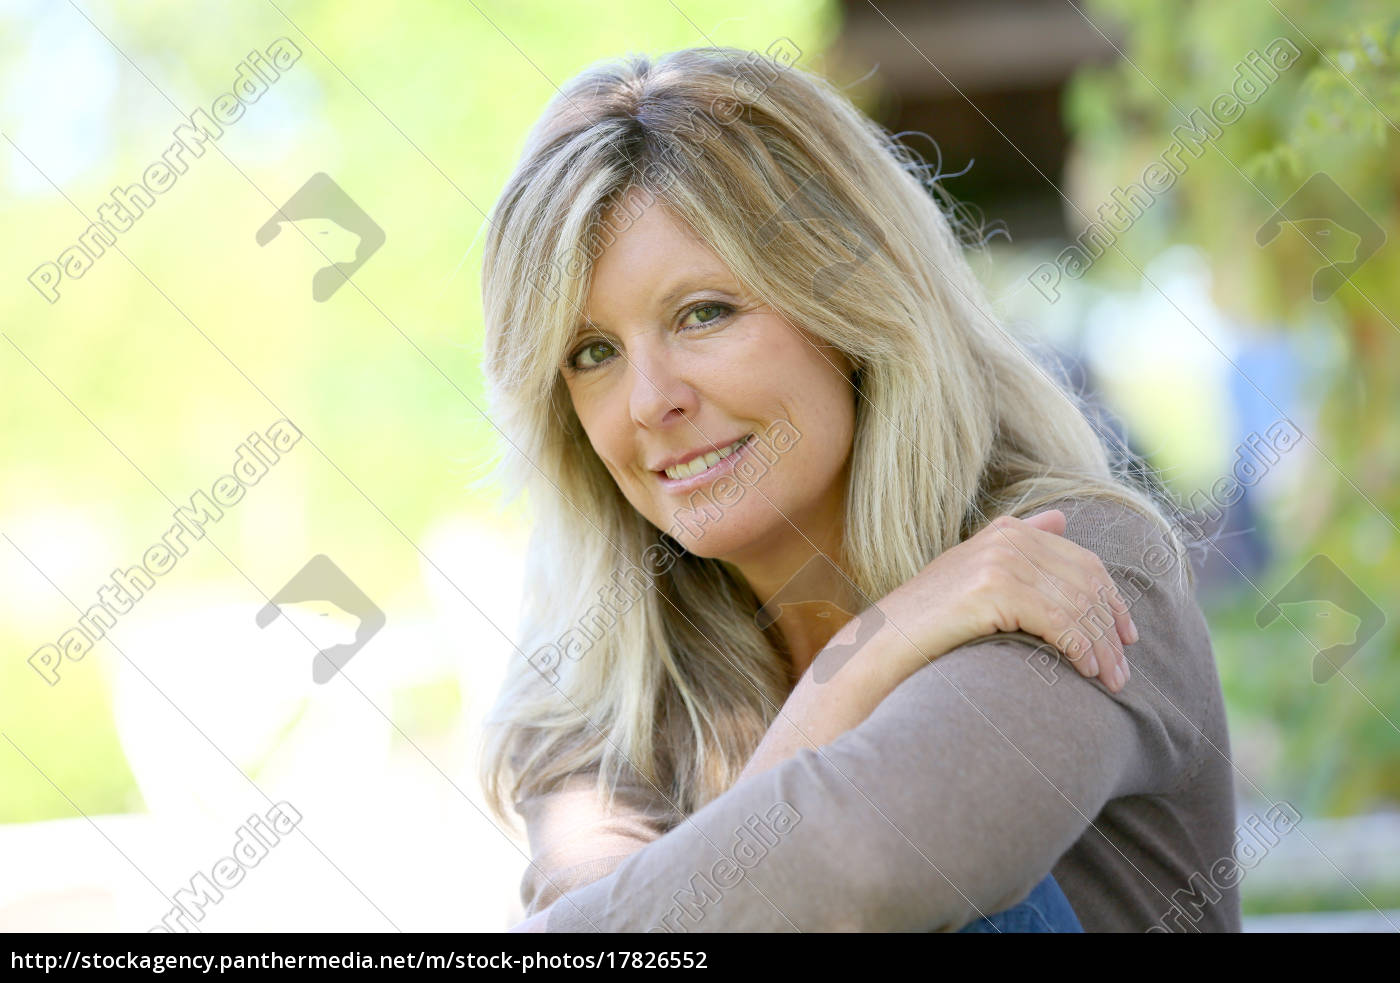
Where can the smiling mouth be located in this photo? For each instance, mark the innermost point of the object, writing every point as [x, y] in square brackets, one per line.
[704, 462]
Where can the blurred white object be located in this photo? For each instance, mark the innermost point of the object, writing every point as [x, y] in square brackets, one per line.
[220, 719]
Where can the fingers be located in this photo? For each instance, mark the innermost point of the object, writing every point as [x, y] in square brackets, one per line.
[1090, 618]
[1043, 611]
[1087, 635]
[1103, 612]
[1102, 587]
[1052, 521]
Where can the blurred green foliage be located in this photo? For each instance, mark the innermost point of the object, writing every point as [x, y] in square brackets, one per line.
[1335, 747]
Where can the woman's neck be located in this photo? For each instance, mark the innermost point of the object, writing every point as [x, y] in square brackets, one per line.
[802, 592]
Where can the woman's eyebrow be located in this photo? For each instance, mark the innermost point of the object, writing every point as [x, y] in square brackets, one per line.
[709, 278]
[582, 328]
[715, 279]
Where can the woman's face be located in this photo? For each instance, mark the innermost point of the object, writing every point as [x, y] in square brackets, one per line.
[677, 360]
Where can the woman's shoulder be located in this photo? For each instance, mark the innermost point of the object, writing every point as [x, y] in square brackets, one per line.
[1128, 538]
[1175, 683]
[1149, 562]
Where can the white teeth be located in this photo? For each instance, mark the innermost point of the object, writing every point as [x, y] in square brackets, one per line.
[703, 462]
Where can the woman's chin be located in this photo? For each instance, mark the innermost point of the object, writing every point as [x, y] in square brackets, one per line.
[710, 545]
[727, 537]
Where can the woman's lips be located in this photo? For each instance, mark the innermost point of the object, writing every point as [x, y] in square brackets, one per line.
[725, 465]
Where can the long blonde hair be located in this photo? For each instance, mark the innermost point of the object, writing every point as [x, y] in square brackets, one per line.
[665, 677]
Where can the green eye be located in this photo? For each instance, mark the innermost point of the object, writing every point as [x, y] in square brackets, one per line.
[717, 312]
[591, 355]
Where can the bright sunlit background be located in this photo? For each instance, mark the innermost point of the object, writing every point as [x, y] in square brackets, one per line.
[199, 342]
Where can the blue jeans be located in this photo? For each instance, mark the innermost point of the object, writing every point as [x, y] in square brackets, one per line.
[1046, 909]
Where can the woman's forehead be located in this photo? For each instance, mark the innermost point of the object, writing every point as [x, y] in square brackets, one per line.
[653, 261]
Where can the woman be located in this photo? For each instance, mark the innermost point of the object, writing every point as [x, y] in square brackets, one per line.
[806, 513]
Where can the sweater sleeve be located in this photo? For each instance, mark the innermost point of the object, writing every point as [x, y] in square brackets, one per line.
[950, 801]
[576, 839]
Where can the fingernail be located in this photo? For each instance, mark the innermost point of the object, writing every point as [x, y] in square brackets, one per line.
[1093, 665]
[1118, 679]
[1132, 631]
[1127, 671]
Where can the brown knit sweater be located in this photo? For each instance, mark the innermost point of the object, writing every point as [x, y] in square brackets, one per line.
[983, 771]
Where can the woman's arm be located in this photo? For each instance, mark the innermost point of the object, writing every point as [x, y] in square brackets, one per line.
[994, 583]
[575, 838]
[951, 800]
[866, 669]
[599, 841]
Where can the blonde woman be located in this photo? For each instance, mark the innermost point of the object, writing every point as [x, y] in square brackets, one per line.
[839, 615]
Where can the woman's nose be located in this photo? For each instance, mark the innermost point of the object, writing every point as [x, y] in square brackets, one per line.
[660, 394]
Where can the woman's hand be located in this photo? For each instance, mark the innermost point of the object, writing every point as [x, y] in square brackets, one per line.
[1014, 575]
